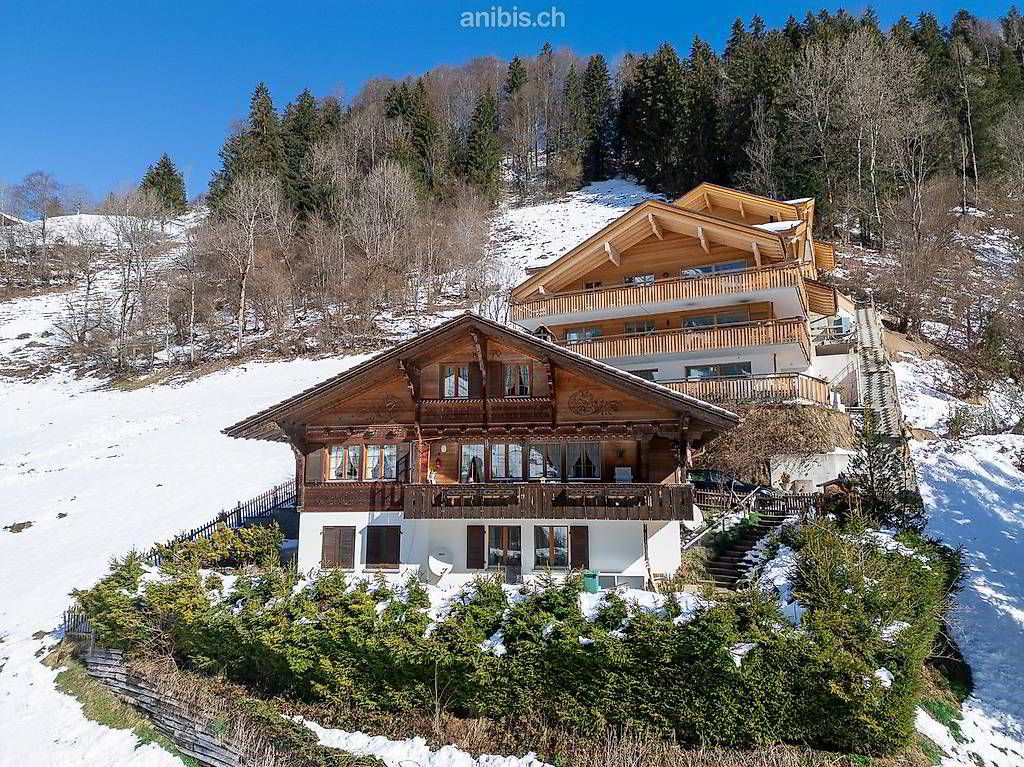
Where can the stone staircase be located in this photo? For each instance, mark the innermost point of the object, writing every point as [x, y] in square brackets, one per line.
[725, 569]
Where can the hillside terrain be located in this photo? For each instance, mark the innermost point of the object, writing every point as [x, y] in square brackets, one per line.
[90, 471]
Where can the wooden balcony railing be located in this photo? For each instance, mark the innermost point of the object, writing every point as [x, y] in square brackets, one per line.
[684, 340]
[672, 289]
[778, 387]
[549, 501]
[353, 496]
[498, 410]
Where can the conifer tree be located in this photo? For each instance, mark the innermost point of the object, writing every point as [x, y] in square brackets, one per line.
[699, 134]
[425, 152]
[481, 161]
[517, 125]
[301, 127]
[599, 109]
[571, 137]
[167, 183]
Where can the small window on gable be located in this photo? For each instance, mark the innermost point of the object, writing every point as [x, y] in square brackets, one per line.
[517, 380]
[455, 381]
[592, 285]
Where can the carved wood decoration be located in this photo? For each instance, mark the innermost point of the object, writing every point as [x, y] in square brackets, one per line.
[382, 410]
[584, 403]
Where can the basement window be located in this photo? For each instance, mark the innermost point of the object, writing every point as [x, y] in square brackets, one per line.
[551, 546]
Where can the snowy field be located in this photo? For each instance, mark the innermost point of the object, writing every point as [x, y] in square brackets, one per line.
[974, 492]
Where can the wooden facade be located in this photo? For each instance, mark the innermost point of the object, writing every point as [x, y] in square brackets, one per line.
[474, 419]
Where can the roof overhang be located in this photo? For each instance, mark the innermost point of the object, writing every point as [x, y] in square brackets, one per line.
[273, 422]
[653, 218]
[705, 196]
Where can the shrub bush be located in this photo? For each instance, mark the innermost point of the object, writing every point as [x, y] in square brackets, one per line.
[505, 654]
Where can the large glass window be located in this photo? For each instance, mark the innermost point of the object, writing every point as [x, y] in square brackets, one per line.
[638, 279]
[730, 317]
[576, 335]
[639, 327]
[381, 462]
[504, 546]
[707, 269]
[584, 460]
[507, 460]
[455, 382]
[471, 463]
[346, 463]
[546, 461]
[517, 380]
[721, 370]
[551, 546]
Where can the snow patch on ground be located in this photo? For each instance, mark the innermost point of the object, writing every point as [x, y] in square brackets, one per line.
[413, 751]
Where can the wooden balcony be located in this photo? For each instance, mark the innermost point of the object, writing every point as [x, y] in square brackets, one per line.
[676, 289]
[778, 387]
[549, 501]
[353, 496]
[689, 340]
[498, 410]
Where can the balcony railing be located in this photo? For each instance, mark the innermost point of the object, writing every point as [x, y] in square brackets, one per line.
[671, 289]
[498, 410]
[549, 501]
[685, 340]
[777, 387]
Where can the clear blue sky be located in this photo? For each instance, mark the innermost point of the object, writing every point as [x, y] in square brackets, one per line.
[94, 92]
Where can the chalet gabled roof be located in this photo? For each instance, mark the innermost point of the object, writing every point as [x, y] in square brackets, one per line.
[695, 198]
[265, 424]
[645, 220]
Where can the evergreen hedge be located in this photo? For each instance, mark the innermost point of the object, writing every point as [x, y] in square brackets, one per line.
[374, 646]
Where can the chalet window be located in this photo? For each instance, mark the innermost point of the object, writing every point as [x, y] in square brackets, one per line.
[517, 380]
[638, 279]
[704, 271]
[381, 462]
[717, 318]
[551, 546]
[471, 463]
[455, 381]
[639, 327]
[346, 463]
[577, 335]
[546, 461]
[504, 546]
[721, 370]
[591, 285]
[338, 547]
[507, 460]
[584, 460]
[648, 374]
[383, 545]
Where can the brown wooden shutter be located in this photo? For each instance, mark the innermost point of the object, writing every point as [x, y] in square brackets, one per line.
[338, 547]
[579, 547]
[374, 547]
[392, 545]
[403, 473]
[329, 544]
[315, 465]
[475, 547]
[347, 547]
[495, 379]
[476, 381]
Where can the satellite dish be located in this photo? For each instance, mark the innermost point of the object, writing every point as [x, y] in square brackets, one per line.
[440, 563]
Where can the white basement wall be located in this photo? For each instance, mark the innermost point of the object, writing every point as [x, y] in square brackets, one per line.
[616, 547]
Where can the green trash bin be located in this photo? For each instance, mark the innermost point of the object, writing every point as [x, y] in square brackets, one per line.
[590, 583]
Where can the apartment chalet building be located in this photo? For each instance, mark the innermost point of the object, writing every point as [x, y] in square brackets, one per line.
[479, 448]
[716, 295]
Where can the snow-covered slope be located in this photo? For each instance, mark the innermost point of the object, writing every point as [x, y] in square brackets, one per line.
[535, 235]
[974, 492]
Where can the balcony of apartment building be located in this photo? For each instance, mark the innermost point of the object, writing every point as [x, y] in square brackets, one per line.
[765, 388]
[704, 286]
[717, 334]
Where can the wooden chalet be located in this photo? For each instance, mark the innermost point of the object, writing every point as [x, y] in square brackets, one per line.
[477, 447]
